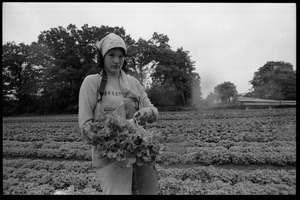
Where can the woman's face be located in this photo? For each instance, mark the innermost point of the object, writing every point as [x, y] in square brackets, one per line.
[113, 61]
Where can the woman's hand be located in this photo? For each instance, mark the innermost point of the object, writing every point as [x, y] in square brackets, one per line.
[141, 116]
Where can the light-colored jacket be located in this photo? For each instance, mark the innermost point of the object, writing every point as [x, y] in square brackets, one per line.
[89, 107]
[114, 176]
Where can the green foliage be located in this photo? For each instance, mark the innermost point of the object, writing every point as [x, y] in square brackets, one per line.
[21, 78]
[77, 178]
[164, 95]
[212, 97]
[212, 137]
[45, 77]
[175, 69]
[274, 80]
[70, 51]
[117, 138]
[226, 92]
[142, 59]
[41, 155]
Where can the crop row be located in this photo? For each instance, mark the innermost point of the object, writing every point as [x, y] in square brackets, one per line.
[243, 155]
[242, 137]
[237, 130]
[221, 114]
[227, 114]
[41, 131]
[183, 147]
[26, 176]
[222, 155]
[217, 114]
[42, 119]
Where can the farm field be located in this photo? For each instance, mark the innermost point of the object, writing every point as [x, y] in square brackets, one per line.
[217, 152]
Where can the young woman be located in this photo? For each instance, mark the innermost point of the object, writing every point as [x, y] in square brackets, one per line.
[103, 92]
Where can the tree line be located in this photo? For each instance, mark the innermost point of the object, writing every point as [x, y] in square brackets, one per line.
[45, 76]
[275, 80]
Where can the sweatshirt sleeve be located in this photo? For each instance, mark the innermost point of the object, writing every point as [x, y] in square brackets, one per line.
[87, 101]
[145, 103]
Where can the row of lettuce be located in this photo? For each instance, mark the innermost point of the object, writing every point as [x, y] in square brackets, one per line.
[33, 147]
[280, 154]
[27, 176]
[208, 114]
[252, 140]
[213, 130]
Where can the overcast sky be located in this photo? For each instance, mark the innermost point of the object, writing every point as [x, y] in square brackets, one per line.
[227, 41]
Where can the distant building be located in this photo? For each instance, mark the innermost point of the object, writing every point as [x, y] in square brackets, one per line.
[249, 101]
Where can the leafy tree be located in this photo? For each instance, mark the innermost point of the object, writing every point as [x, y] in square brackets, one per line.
[196, 89]
[226, 91]
[142, 57]
[21, 78]
[275, 80]
[163, 95]
[175, 67]
[49, 72]
[211, 97]
[62, 68]
[167, 69]
[71, 54]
